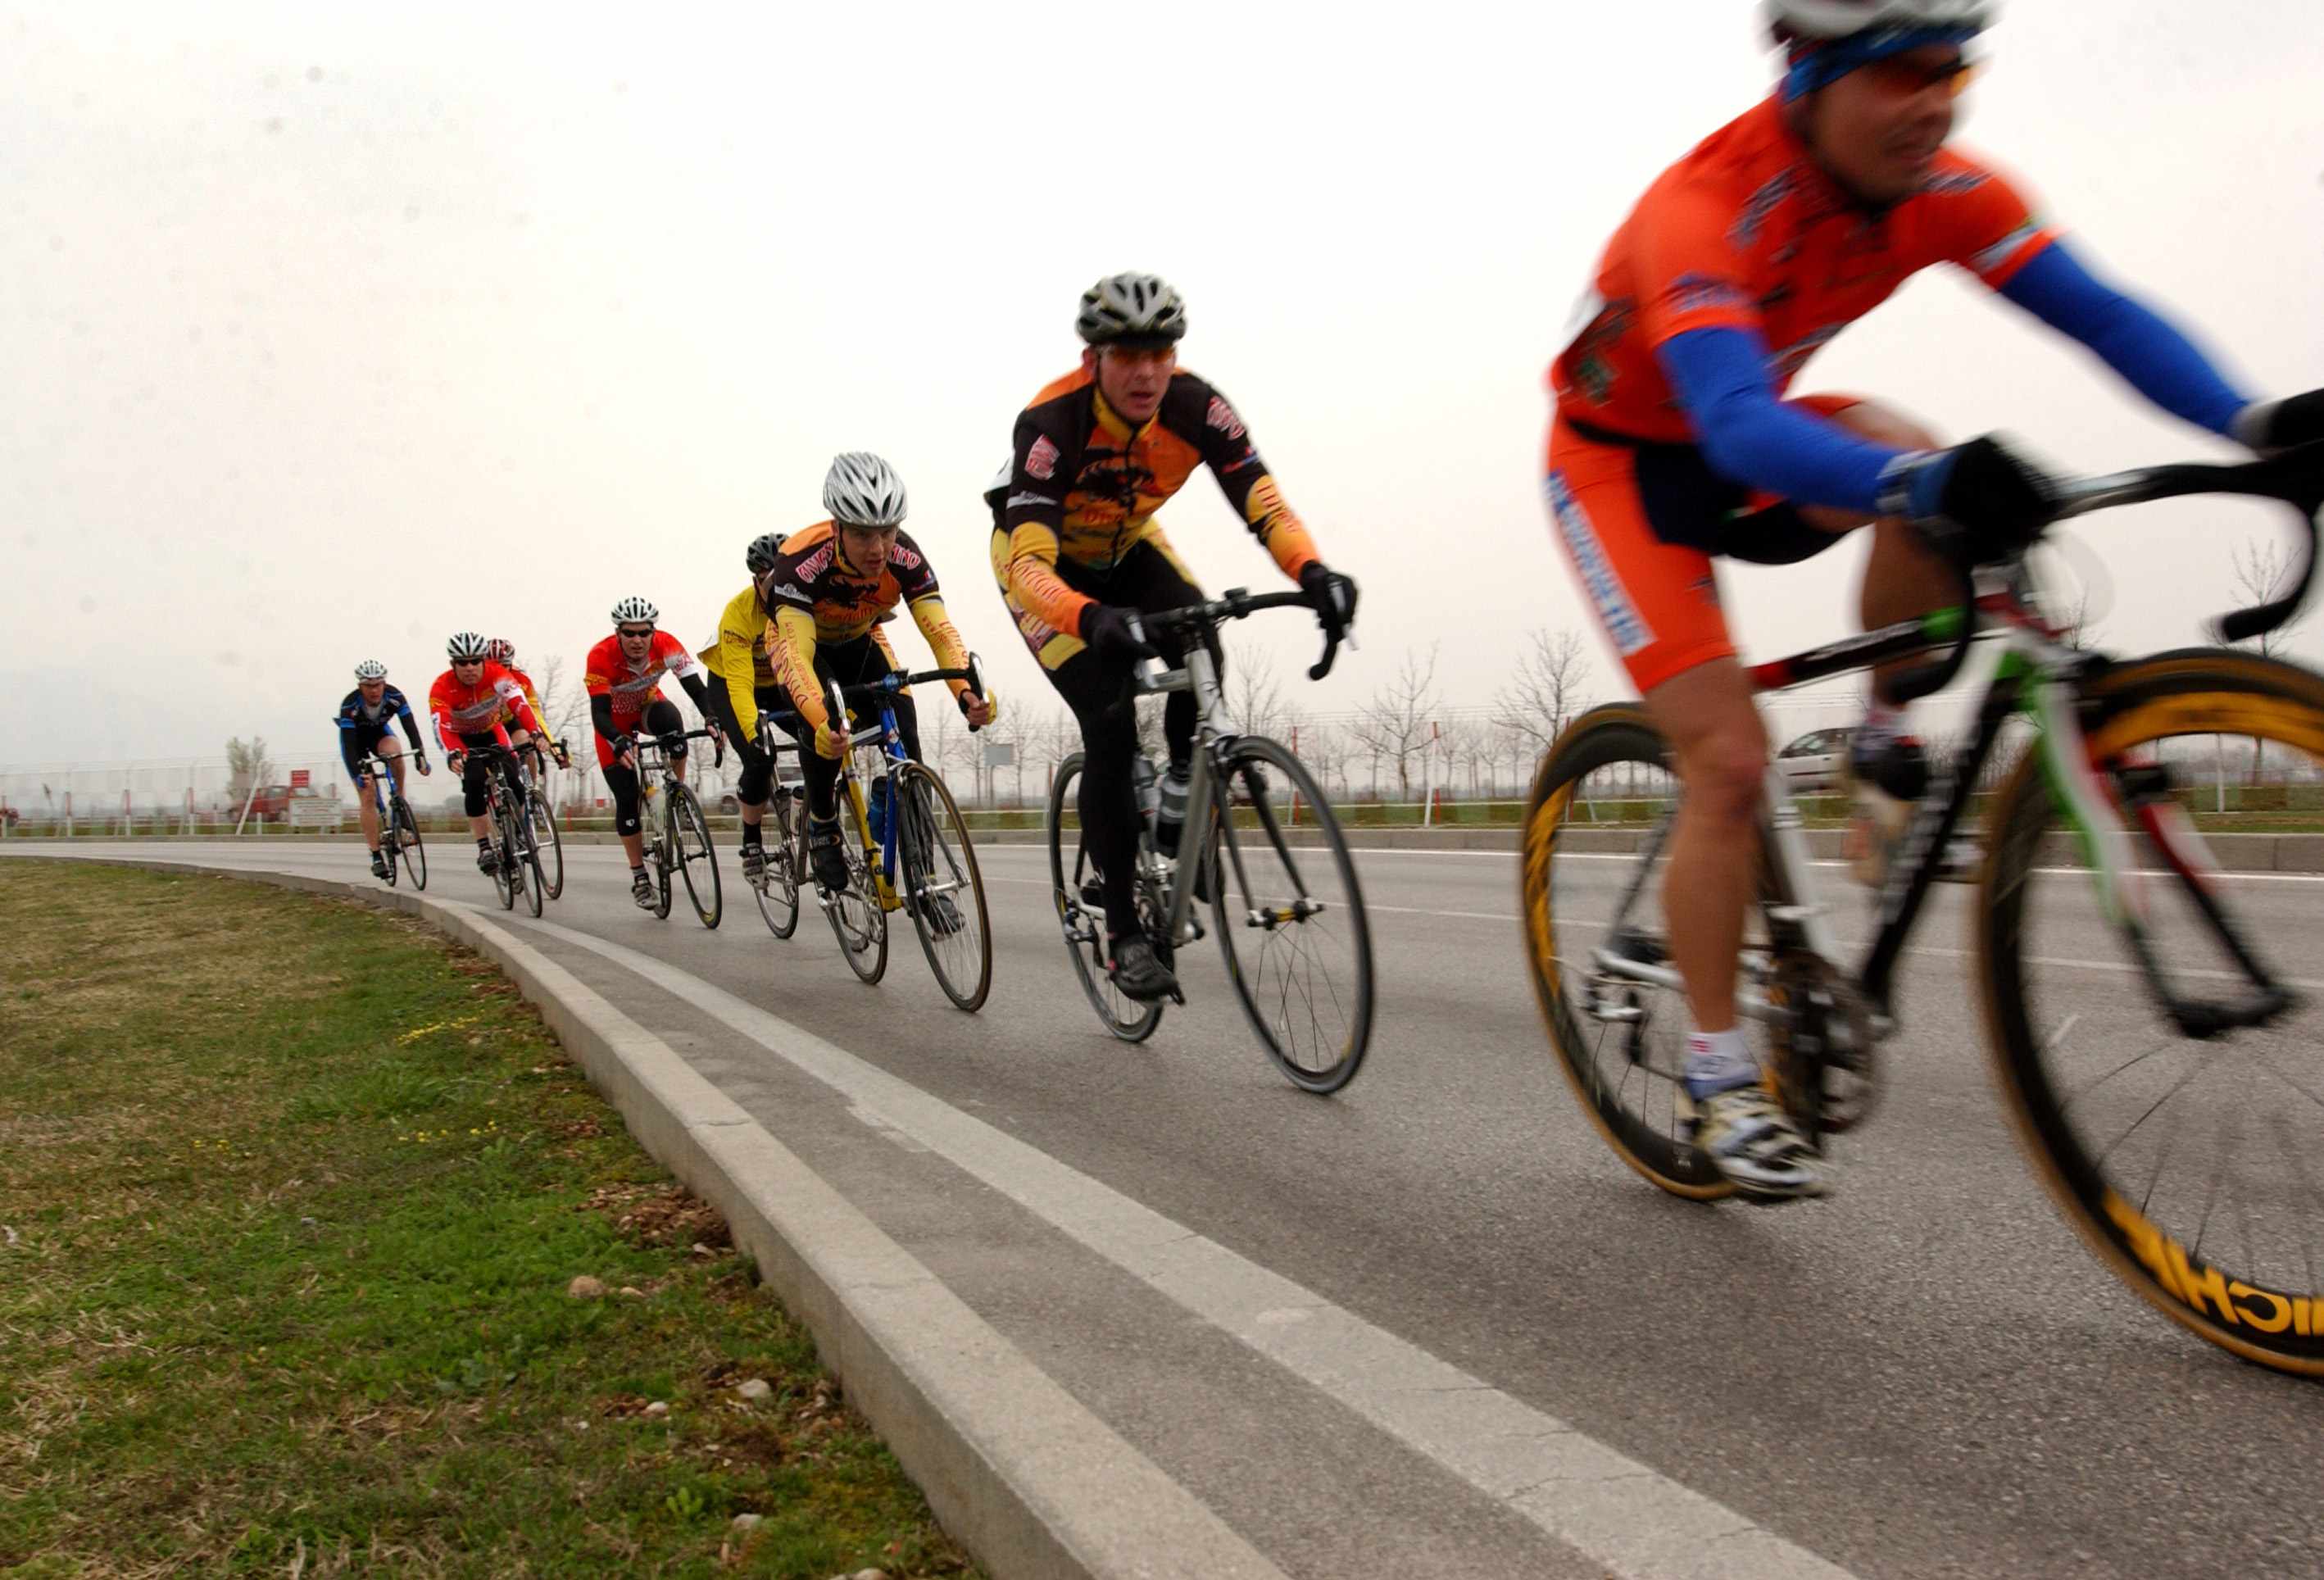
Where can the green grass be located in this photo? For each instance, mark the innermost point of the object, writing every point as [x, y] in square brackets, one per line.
[291, 1195]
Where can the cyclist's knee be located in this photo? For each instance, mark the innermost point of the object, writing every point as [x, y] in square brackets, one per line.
[1723, 773]
[1716, 737]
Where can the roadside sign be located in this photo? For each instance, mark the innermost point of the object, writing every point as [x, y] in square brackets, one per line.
[299, 778]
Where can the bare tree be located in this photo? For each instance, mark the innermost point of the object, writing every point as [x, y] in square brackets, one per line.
[1547, 690]
[247, 765]
[2261, 576]
[1322, 746]
[1254, 694]
[1393, 725]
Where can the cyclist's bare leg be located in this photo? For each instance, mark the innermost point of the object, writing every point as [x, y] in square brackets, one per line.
[633, 845]
[367, 812]
[1720, 749]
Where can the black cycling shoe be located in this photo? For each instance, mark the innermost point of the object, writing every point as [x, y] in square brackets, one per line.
[823, 853]
[378, 866]
[944, 916]
[488, 860]
[1139, 974]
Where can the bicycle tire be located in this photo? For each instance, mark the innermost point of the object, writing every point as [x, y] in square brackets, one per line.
[504, 860]
[544, 817]
[1264, 909]
[1083, 926]
[777, 891]
[686, 824]
[857, 918]
[527, 854]
[924, 804]
[1615, 735]
[413, 856]
[2241, 1308]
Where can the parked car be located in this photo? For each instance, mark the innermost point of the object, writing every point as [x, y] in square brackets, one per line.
[1816, 764]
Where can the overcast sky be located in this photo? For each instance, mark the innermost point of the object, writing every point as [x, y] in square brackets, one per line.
[331, 330]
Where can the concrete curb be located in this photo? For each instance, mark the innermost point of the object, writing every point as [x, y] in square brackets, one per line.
[1016, 1468]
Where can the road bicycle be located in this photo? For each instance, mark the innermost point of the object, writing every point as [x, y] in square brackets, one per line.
[2169, 1098]
[782, 830]
[1289, 915]
[535, 759]
[678, 836]
[910, 851]
[514, 854]
[399, 845]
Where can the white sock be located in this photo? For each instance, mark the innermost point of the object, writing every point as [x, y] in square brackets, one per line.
[1719, 1061]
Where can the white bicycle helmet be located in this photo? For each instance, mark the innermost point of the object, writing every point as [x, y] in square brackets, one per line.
[500, 650]
[1845, 19]
[861, 490]
[1131, 306]
[636, 609]
[464, 644]
[371, 670]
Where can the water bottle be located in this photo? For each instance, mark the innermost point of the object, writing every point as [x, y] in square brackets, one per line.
[1171, 812]
[1142, 775]
[879, 813]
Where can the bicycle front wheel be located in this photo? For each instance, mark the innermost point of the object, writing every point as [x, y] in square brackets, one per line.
[858, 920]
[2184, 1154]
[505, 881]
[776, 888]
[942, 887]
[1290, 919]
[698, 858]
[1081, 914]
[409, 854]
[547, 841]
[527, 874]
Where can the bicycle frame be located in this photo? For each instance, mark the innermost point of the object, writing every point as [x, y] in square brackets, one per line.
[1215, 729]
[890, 738]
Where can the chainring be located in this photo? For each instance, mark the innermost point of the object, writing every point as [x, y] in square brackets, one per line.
[1824, 1059]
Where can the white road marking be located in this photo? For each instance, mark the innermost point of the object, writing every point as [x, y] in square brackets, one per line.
[1635, 1520]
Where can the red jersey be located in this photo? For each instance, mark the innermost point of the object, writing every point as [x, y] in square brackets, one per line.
[460, 709]
[609, 674]
[1747, 233]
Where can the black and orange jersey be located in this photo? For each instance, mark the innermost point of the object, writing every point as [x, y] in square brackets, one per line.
[814, 595]
[1084, 487]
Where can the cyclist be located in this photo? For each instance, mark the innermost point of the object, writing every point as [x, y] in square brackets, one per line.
[503, 651]
[623, 675]
[1672, 443]
[745, 686]
[1077, 552]
[466, 702]
[827, 590]
[367, 726]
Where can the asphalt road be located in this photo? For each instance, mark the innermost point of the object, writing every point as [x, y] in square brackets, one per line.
[1924, 1375]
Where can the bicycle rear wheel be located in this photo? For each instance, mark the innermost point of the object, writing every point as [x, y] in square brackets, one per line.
[776, 888]
[1290, 919]
[691, 836]
[409, 854]
[943, 889]
[1081, 914]
[2187, 1162]
[546, 839]
[1605, 790]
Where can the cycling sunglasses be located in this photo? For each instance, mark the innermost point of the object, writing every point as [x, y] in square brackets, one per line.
[1902, 77]
[627, 631]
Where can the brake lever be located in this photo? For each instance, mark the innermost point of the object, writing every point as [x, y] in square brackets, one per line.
[1323, 666]
[1930, 679]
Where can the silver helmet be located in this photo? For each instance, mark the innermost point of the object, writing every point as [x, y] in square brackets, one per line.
[371, 670]
[1845, 19]
[636, 609]
[861, 490]
[464, 644]
[1131, 306]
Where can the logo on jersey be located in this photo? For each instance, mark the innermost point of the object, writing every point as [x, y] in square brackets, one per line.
[1041, 460]
[1623, 623]
[790, 590]
[815, 564]
[1696, 294]
[1948, 183]
[900, 555]
[2002, 251]
[1221, 417]
[1745, 231]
